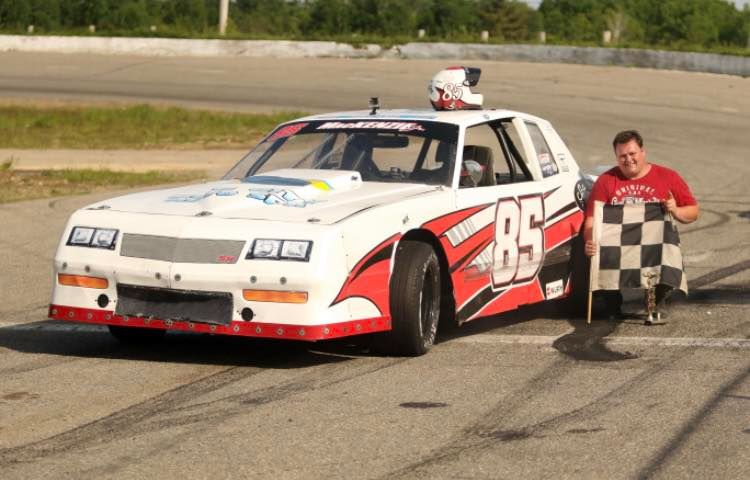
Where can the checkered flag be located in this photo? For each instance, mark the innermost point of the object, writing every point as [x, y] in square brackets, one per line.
[636, 241]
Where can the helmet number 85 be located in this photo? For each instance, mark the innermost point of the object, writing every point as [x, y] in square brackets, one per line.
[452, 92]
[518, 253]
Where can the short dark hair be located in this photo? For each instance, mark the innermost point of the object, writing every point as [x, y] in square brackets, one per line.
[626, 136]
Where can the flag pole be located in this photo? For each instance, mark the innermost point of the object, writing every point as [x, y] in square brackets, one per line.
[594, 261]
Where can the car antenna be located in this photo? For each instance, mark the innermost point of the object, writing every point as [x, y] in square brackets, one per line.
[374, 105]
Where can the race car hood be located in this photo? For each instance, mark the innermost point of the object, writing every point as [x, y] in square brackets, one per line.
[288, 195]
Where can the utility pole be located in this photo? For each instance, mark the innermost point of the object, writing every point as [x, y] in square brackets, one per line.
[223, 15]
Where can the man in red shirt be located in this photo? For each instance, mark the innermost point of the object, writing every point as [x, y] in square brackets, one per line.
[635, 180]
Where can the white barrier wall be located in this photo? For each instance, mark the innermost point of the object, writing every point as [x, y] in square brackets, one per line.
[694, 62]
[183, 47]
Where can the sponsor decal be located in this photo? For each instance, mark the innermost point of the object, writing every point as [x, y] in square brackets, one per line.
[274, 180]
[321, 185]
[548, 167]
[554, 289]
[398, 126]
[287, 131]
[288, 182]
[226, 259]
[407, 116]
[582, 191]
[275, 196]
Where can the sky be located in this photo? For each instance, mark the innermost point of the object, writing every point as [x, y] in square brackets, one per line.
[739, 3]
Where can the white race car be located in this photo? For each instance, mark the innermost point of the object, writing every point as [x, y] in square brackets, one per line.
[336, 225]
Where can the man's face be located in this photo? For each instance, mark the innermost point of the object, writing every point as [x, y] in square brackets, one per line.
[631, 159]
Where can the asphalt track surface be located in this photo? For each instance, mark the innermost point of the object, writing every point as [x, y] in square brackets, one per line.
[532, 394]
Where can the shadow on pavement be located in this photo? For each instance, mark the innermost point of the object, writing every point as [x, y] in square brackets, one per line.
[178, 347]
[585, 343]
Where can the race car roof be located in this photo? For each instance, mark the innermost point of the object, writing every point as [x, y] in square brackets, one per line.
[456, 117]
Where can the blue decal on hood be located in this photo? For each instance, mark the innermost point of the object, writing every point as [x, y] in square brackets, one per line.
[225, 191]
[279, 197]
[197, 197]
[189, 198]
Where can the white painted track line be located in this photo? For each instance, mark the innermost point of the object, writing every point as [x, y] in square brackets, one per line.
[483, 338]
[548, 340]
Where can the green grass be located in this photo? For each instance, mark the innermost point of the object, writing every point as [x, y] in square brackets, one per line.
[132, 127]
[16, 185]
[105, 178]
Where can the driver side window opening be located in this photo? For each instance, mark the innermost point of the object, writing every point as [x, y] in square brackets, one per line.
[490, 157]
[483, 159]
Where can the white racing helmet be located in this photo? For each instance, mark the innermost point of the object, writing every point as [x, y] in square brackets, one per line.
[449, 89]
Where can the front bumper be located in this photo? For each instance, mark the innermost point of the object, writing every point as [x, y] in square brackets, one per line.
[237, 328]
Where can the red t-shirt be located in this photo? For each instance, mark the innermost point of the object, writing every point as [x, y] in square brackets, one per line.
[612, 187]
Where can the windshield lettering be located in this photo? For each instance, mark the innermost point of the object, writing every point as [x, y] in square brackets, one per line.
[398, 126]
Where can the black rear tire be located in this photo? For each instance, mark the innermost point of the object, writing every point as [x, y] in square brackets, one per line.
[136, 335]
[415, 301]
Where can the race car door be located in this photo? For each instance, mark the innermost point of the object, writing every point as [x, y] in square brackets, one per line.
[498, 250]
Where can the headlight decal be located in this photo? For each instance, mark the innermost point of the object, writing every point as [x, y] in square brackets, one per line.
[93, 237]
[295, 250]
[276, 249]
[266, 248]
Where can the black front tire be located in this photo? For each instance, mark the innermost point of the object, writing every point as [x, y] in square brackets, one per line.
[136, 335]
[415, 300]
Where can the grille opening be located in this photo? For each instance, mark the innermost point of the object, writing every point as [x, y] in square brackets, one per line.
[170, 304]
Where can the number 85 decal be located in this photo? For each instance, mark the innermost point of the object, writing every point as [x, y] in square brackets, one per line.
[518, 253]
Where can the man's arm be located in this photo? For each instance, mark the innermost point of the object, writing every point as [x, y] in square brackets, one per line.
[598, 193]
[684, 214]
[588, 233]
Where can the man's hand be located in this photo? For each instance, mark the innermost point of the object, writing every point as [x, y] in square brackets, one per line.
[670, 205]
[590, 248]
[684, 214]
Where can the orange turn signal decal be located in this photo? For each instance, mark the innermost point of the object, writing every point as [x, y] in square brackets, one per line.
[82, 281]
[276, 296]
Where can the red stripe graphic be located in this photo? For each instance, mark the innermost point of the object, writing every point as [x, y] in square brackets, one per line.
[370, 277]
[563, 230]
[442, 224]
[512, 299]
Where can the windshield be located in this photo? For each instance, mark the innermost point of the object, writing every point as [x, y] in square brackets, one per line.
[381, 151]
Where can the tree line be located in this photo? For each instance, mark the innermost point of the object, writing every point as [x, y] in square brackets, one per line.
[704, 23]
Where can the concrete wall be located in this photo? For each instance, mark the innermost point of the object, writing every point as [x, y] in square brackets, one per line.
[629, 57]
[694, 62]
[183, 47]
